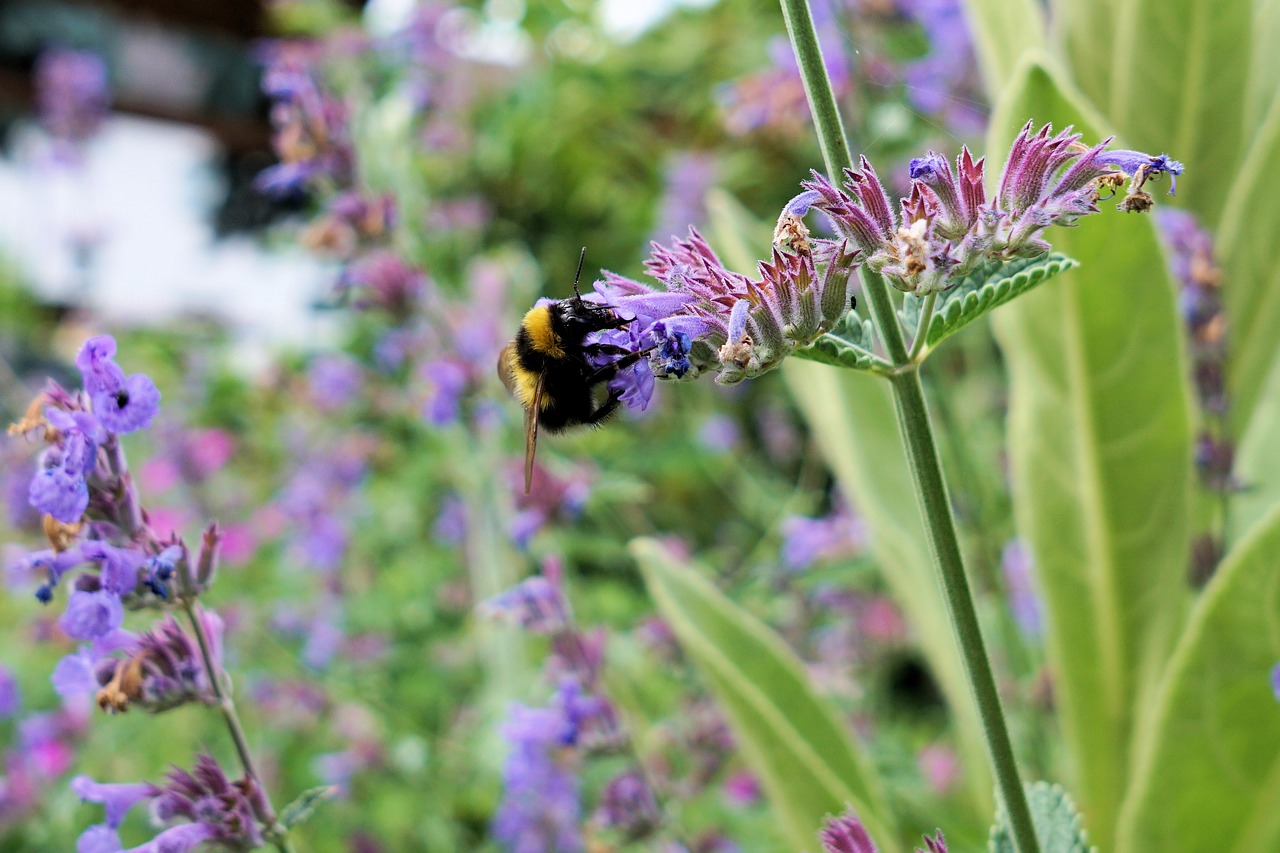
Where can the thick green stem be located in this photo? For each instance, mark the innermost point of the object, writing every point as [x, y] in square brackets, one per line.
[922, 451]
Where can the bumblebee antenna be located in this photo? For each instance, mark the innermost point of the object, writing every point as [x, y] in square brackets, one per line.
[578, 274]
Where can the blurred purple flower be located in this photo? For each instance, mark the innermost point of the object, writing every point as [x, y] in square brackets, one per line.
[446, 381]
[382, 279]
[627, 806]
[123, 404]
[808, 541]
[333, 380]
[1275, 681]
[311, 133]
[687, 178]
[1016, 564]
[719, 433]
[539, 812]
[72, 94]
[944, 82]
[162, 669]
[450, 527]
[535, 604]
[10, 695]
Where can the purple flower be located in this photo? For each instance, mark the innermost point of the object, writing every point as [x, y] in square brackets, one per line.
[627, 805]
[333, 380]
[218, 809]
[119, 568]
[1275, 681]
[53, 563]
[1016, 564]
[446, 383]
[129, 406]
[535, 604]
[806, 541]
[117, 799]
[60, 493]
[76, 674]
[687, 177]
[162, 669]
[10, 695]
[845, 834]
[122, 403]
[936, 843]
[384, 280]
[91, 615]
[99, 838]
[71, 93]
[539, 812]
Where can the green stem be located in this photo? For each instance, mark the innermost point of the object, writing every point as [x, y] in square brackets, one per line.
[922, 451]
[922, 328]
[277, 834]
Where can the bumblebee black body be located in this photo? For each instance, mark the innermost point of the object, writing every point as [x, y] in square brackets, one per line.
[551, 345]
[547, 367]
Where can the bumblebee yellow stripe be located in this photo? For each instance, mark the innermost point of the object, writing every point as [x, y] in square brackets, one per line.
[537, 322]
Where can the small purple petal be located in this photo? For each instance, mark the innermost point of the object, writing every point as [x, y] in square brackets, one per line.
[738, 320]
[90, 615]
[74, 674]
[800, 204]
[98, 838]
[1275, 681]
[117, 799]
[128, 407]
[59, 493]
[177, 839]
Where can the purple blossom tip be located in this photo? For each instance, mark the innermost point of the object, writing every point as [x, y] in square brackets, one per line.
[845, 834]
[935, 844]
[799, 206]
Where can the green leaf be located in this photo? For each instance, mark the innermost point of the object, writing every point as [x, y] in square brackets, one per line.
[305, 805]
[1170, 76]
[1002, 31]
[1058, 824]
[792, 738]
[1246, 250]
[1264, 65]
[1100, 453]
[852, 418]
[1257, 463]
[988, 287]
[1207, 767]
[849, 344]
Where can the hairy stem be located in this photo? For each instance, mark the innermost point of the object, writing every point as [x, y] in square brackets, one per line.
[922, 328]
[922, 451]
[274, 831]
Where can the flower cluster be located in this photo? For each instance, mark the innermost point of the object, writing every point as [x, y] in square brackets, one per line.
[312, 137]
[708, 318]
[103, 540]
[211, 809]
[541, 804]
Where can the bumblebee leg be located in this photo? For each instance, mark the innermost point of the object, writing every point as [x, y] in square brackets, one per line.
[607, 408]
[604, 374]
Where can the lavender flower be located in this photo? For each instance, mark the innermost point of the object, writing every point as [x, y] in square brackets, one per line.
[535, 604]
[122, 403]
[540, 808]
[162, 669]
[1016, 564]
[10, 695]
[219, 810]
[91, 614]
[312, 139]
[71, 93]
[1275, 681]
[807, 541]
[627, 806]
[845, 834]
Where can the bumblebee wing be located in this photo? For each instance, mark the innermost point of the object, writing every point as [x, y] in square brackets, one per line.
[505, 372]
[531, 430]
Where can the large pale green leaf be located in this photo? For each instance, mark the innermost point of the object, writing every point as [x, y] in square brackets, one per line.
[1100, 451]
[794, 739]
[1264, 65]
[1251, 275]
[1002, 31]
[1207, 768]
[1258, 463]
[1170, 76]
[852, 418]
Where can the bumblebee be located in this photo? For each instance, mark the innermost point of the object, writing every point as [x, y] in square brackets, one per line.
[547, 367]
